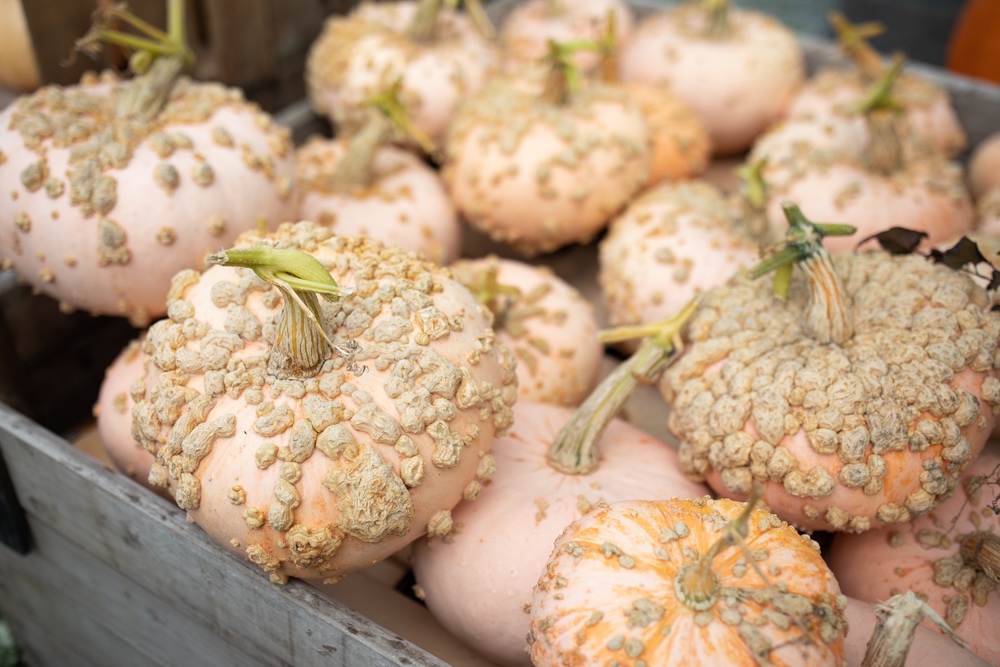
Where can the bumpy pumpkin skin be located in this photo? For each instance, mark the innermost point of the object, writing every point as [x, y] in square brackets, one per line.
[529, 26]
[537, 175]
[924, 556]
[319, 476]
[101, 219]
[406, 205]
[365, 52]
[737, 85]
[479, 583]
[608, 591]
[821, 163]
[843, 438]
[672, 242]
[549, 326]
[928, 111]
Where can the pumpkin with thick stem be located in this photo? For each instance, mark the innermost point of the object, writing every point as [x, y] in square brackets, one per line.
[737, 69]
[685, 582]
[873, 175]
[360, 185]
[439, 55]
[113, 186]
[856, 394]
[547, 323]
[542, 160]
[479, 583]
[315, 438]
[950, 557]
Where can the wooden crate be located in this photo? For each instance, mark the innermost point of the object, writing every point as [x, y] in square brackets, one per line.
[99, 571]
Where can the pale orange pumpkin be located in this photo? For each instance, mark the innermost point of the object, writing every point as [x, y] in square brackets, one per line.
[984, 166]
[857, 400]
[315, 439]
[737, 69]
[685, 582]
[934, 556]
[479, 582]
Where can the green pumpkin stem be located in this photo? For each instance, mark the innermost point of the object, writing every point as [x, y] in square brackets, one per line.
[301, 343]
[828, 314]
[853, 40]
[718, 26]
[885, 150]
[563, 78]
[424, 22]
[574, 450]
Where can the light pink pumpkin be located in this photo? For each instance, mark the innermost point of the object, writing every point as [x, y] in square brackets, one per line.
[479, 583]
[547, 323]
[529, 26]
[737, 76]
[317, 470]
[824, 165]
[100, 215]
[925, 556]
[843, 435]
[378, 43]
[538, 169]
[984, 166]
[672, 242]
[405, 204]
[988, 213]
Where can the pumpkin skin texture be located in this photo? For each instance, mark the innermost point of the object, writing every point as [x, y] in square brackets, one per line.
[737, 84]
[672, 242]
[365, 52]
[842, 437]
[988, 214]
[609, 591]
[317, 476]
[927, 107]
[101, 218]
[479, 583]
[114, 414]
[539, 175]
[406, 205]
[549, 326]
[822, 164]
[924, 556]
[984, 166]
[681, 145]
[529, 26]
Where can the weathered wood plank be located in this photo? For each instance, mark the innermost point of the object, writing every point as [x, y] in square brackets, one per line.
[14, 531]
[147, 540]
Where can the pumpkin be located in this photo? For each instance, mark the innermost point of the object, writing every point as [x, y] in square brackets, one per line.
[438, 55]
[685, 582]
[984, 165]
[537, 163]
[988, 214]
[872, 176]
[529, 26]
[315, 439]
[547, 323]
[113, 186]
[838, 91]
[673, 241]
[479, 582]
[935, 556]
[359, 185]
[856, 396]
[737, 69]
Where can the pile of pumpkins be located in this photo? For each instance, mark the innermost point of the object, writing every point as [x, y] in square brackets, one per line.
[325, 393]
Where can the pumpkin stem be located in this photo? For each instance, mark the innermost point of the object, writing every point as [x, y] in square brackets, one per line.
[828, 317]
[697, 585]
[885, 151]
[498, 298]
[424, 23]
[853, 39]
[896, 626]
[301, 343]
[480, 18]
[753, 197]
[574, 449]
[981, 550]
[718, 26]
[607, 46]
[158, 57]
[354, 173]
[563, 77]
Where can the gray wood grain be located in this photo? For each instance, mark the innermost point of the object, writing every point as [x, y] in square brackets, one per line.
[107, 518]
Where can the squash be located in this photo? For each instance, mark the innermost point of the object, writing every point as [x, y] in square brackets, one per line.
[685, 582]
[315, 439]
